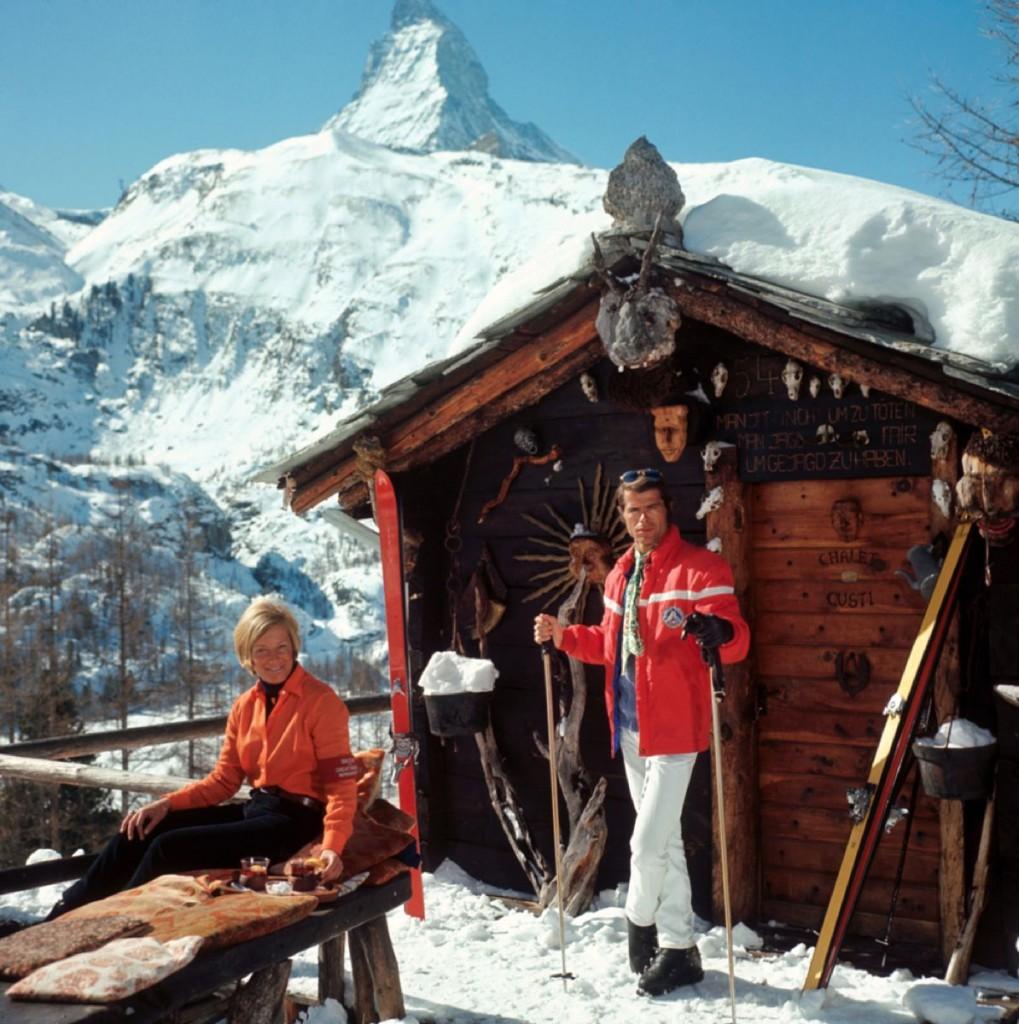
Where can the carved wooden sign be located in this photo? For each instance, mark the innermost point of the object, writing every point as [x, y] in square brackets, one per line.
[825, 437]
[796, 423]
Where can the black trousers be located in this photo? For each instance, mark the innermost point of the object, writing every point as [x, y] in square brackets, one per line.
[205, 837]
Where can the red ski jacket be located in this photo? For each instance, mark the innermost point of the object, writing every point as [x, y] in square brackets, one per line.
[303, 748]
[673, 686]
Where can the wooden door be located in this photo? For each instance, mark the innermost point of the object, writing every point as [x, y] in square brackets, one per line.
[833, 625]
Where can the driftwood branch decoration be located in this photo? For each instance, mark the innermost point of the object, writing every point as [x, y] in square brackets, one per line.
[637, 325]
[519, 462]
[588, 829]
[502, 793]
[503, 796]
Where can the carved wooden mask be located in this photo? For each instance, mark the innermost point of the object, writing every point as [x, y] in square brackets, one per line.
[670, 430]
[593, 555]
[846, 516]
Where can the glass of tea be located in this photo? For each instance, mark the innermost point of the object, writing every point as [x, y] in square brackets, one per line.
[254, 871]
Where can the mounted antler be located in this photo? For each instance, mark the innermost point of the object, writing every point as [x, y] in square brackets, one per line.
[637, 325]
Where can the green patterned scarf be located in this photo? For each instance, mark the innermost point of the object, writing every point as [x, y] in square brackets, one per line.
[632, 642]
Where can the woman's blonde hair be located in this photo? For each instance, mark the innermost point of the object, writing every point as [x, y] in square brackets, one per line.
[263, 613]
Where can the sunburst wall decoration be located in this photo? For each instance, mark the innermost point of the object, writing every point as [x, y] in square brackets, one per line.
[592, 543]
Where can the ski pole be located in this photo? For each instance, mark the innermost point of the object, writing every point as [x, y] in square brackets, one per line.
[718, 688]
[546, 658]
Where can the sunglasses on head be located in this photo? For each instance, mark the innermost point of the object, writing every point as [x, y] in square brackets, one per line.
[631, 476]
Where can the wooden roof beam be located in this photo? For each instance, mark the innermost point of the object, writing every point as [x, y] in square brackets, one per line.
[521, 378]
[708, 302]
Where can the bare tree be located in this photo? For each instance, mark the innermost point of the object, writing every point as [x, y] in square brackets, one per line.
[973, 142]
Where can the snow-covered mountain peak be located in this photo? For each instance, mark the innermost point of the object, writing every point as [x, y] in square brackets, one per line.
[424, 89]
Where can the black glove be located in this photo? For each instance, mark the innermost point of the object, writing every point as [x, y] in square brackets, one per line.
[708, 630]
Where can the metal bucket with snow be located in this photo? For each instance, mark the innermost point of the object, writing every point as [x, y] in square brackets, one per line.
[956, 773]
[458, 693]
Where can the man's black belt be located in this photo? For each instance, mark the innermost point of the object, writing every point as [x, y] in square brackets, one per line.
[297, 798]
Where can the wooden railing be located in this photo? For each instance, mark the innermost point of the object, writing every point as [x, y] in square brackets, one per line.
[42, 761]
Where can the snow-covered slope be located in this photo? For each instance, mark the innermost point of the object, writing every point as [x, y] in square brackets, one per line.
[32, 250]
[423, 89]
[234, 305]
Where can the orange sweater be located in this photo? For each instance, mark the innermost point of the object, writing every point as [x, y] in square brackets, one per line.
[303, 748]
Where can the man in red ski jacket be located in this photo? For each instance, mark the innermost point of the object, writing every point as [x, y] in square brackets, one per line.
[665, 601]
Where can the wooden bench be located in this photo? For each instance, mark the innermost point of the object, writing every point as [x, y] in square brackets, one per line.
[209, 987]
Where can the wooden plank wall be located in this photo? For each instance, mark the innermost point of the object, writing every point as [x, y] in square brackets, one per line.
[817, 594]
[459, 820]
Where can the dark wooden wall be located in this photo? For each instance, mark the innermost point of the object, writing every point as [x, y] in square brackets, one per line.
[460, 821]
[815, 739]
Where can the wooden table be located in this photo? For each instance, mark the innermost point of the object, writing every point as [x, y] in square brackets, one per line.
[360, 915]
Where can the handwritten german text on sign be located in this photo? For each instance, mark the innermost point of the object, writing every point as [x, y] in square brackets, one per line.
[825, 437]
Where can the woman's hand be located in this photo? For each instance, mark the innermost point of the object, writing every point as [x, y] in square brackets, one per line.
[546, 627]
[138, 824]
[332, 865]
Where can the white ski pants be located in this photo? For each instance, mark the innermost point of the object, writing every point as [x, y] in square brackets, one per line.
[659, 890]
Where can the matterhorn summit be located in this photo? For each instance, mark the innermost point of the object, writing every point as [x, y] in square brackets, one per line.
[423, 90]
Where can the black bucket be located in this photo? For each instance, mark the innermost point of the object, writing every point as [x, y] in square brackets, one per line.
[457, 714]
[1006, 704]
[956, 773]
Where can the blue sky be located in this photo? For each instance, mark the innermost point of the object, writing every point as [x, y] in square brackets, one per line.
[94, 92]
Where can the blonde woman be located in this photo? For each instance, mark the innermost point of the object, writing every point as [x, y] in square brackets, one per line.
[287, 736]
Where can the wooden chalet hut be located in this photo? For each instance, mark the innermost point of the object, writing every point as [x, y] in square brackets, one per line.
[822, 446]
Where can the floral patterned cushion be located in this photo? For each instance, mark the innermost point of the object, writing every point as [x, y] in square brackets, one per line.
[118, 970]
[178, 905]
[24, 951]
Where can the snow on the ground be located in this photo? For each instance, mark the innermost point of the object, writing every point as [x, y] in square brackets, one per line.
[476, 960]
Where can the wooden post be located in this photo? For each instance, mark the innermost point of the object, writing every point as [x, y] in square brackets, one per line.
[330, 969]
[260, 1000]
[378, 994]
[737, 713]
[958, 965]
[952, 867]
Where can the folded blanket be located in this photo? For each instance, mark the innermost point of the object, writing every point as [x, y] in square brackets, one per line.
[24, 951]
[118, 970]
[381, 833]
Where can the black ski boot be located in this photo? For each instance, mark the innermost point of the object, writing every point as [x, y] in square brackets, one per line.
[642, 940]
[670, 969]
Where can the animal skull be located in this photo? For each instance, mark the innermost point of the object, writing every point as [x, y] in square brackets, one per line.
[711, 502]
[589, 386]
[865, 390]
[941, 495]
[825, 433]
[861, 438]
[526, 439]
[941, 440]
[792, 378]
[837, 383]
[712, 453]
[715, 544]
[719, 378]
[814, 386]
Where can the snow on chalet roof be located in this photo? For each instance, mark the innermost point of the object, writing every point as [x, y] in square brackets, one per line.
[847, 247]
[882, 264]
